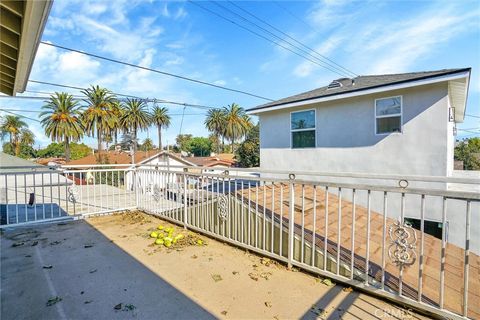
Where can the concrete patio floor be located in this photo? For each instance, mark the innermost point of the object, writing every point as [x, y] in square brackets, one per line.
[94, 265]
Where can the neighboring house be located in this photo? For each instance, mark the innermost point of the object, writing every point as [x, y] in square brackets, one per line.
[397, 124]
[30, 191]
[386, 124]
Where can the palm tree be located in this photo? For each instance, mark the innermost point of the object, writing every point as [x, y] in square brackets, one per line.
[118, 113]
[147, 144]
[215, 122]
[62, 120]
[237, 123]
[161, 119]
[27, 137]
[12, 126]
[99, 117]
[135, 116]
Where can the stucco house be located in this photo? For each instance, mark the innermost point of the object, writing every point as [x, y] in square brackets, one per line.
[395, 124]
[386, 124]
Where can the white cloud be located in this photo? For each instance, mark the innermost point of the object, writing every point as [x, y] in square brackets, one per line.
[181, 13]
[220, 82]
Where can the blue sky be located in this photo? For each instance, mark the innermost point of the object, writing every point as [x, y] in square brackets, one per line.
[368, 37]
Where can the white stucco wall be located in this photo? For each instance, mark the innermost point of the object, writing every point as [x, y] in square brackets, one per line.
[346, 139]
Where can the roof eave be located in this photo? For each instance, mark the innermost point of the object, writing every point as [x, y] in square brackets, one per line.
[461, 74]
[35, 19]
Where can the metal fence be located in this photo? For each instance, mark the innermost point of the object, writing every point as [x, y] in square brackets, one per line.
[400, 240]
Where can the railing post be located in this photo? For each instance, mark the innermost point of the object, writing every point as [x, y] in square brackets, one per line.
[135, 187]
[185, 216]
[291, 224]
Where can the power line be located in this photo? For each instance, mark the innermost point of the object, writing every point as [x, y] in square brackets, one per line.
[295, 16]
[127, 96]
[158, 71]
[20, 115]
[473, 116]
[332, 63]
[261, 36]
[39, 111]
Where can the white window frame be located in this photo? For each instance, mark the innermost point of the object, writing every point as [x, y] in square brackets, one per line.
[388, 115]
[306, 129]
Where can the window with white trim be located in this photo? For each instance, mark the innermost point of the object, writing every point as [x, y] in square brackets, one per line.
[388, 115]
[302, 126]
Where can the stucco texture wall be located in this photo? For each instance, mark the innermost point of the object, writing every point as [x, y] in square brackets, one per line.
[346, 139]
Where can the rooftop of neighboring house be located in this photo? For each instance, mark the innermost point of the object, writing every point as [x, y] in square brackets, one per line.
[346, 87]
[221, 160]
[50, 161]
[7, 160]
[115, 157]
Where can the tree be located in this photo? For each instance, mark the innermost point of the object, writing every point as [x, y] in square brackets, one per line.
[26, 151]
[200, 146]
[183, 141]
[215, 122]
[237, 123]
[57, 150]
[147, 144]
[117, 111]
[161, 119]
[248, 153]
[99, 117]
[62, 120]
[12, 126]
[468, 151]
[27, 137]
[135, 117]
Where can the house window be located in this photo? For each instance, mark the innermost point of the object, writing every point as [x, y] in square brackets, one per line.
[302, 125]
[388, 115]
[433, 228]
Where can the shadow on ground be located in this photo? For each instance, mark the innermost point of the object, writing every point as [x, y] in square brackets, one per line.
[88, 272]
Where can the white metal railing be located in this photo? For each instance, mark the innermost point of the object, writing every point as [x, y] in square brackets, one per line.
[380, 237]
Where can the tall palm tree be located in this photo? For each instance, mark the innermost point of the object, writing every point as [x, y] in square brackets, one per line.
[161, 119]
[99, 117]
[215, 122]
[135, 117]
[237, 123]
[117, 109]
[62, 120]
[12, 126]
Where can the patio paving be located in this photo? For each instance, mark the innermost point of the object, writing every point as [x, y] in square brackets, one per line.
[95, 264]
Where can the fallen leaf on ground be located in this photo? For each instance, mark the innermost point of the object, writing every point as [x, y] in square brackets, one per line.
[34, 243]
[118, 306]
[93, 271]
[224, 312]
[253, 276]
[327, 282]
[48, 266]
[55, 243]
[194, 256]
[53, 300]
[88, 246]
[18, 244]
[88, 301]
[348, 289]
[217, 277]
[268, 304]
[235, 272]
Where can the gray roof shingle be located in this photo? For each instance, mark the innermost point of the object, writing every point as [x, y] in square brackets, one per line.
[360, 83]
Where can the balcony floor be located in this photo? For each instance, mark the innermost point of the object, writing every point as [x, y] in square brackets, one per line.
[101, 262]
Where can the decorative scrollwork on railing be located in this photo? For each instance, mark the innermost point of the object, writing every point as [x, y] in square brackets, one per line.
[403, 239]
[222, 206]
[72, 193]
[156, 193]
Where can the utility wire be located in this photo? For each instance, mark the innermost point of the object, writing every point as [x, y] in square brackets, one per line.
[261, 36]
[473, 116]
[157, 71]
[127, 96]
[20, 115]
[295, 16]
[330, 62]
[39, 111]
